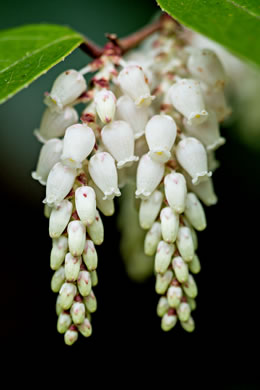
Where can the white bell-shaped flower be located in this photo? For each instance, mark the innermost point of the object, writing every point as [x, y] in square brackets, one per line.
[90, 302]
[169, 224]
[152, 239]
[175, 191]
[216, 101]
[85, 200]
[194, 265]
[160, 134]
[174, 295]
[71, 335]
[67, 87]
[204, 191]
[180, 269]
[54, 124]
[85, 328]
[106, 206]
[118, 138]
[185, 243]
[192, 156]
[163, 256]
[105, 102]
[134, 83]
[162, 306]
[204, 65]
[76, 237]
[84, 283]
[190, 287]
[72, 267]
[90, 255]
[163, 281]
[79, 141]
[49, 155]
[188, 325]
[58, 252]
[149, 209]
[58, 279]
[194, 212]
[137, 117]
[59, 218]
[77, 312]
[67, 294]
[64, 322]
[169, 320]
[183, 311]
[96, 230]
[186, 96]
[59, 183]
[149, 174]
[206, 132]
[102, 170]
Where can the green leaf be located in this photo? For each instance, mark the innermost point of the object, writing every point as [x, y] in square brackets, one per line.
[28, 51]
[233, 23]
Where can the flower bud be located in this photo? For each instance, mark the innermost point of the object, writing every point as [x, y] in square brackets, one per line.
[96, 230]
[163, 281]
[163, 256]
[162, 306]
[105, 102]
[85, 328]
[118, 138]
[192, 156]
[58, 308]
[67, 294]
[204, 191]
[188, 325]
[160, 134]
[134, 83]
[190, 287]
[192, 303]
[94, 278]
[90, 255]
[169, 320]
[64, 322]
[72, 267]
[102, 170]
[174, 295]
[84, 283]
[186, 96]
[180, 268]
[79, 141]
[67, 87]
[149, 175]
[58, 252]
[77, 312]
[183, 311]
[137, 117]
[204, 65]
[175, 191]
[90, 302]
[85, 199]
[59, 218]
[71, 335]
[169, 224]
[49, 155]
[106, 206]
[59, 183]
[185, 243]
[207, 132]
[194, 265]
[195, 212]
[76, 237]
[152, 239]
[58, 279]
[149, 209]
[216, 101]
[54, 124]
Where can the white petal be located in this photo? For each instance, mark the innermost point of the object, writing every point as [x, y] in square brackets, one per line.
[175, 191]
[59, 218]
[149, 209]
[149, 175]
[85, 199]
[76, 237]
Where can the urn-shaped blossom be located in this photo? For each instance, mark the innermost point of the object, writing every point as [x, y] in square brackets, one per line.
[102, 170]
[67, 87]
[186, 96]
[149, 209]
[79, 141]
[118, 138]
[192, 156]
[85, 200]
[149, 175]
[49, 155]
[76, 237]
[59, 218]
[175, 191]
[160, 134]
[105, 103]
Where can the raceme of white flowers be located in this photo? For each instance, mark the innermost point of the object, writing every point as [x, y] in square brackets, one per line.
[148, 131]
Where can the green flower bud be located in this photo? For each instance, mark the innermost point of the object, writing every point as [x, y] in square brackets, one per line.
[163, 281]
[72, 267]
[195, 212]
[190, 287]
[58, 279]
[64, 322]
[185, 243]
[90, 255]
[180, 268]
[152, 239]
[96, 230]
[77, 312]
[183, 311]
[59, 309]
[85, 328]
[163, 256]
[174, 295]
[71, 335]
[169, 320]
[58, 252]
[90, 302]
[94, 278]
[67, 294]
[192, 303]
[162, 306]
[194, 265]
[84, 283]
[188, 325]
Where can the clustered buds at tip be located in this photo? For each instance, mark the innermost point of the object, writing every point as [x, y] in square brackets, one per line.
[105, 102]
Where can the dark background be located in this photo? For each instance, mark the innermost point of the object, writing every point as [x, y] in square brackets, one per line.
[126, 331]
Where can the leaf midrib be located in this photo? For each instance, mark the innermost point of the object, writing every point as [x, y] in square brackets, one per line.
[243, 8]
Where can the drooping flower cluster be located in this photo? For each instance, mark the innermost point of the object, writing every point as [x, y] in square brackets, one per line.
[151, 117]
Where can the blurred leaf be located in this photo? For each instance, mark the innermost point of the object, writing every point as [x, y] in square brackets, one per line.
[28, 51]
[233, 23]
